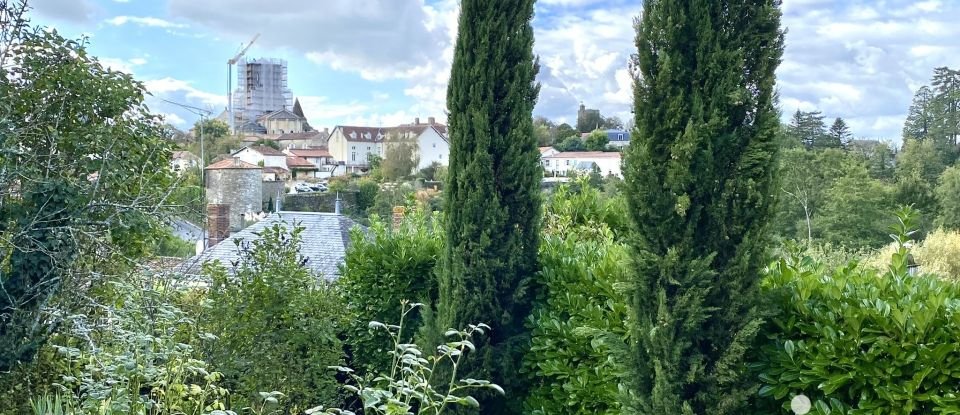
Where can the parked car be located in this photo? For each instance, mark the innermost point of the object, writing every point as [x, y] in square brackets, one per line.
[303, 188]
[318, 187]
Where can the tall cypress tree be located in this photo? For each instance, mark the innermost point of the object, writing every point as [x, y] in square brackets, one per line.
[492, 203]
[700, 185]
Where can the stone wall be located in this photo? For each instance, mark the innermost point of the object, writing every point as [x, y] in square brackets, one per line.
[321, 202]
[242, 189]
[270, 190]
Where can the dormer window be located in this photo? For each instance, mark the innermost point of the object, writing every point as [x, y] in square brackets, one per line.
[366, 135]
[353, 135]
[620, 137]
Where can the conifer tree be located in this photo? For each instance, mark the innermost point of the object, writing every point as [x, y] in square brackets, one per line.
[700, 186]
[492, 203]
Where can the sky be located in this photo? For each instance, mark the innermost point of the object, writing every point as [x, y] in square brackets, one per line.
[384, 62]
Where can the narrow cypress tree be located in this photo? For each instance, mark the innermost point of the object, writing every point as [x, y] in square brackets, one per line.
[492, 203]
[699, 180]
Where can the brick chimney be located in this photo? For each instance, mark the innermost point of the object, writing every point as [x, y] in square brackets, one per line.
[416, 121]
[431, 121]
[218, 223]
[398, 213]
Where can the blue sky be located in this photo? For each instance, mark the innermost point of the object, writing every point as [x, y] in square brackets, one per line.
[384, 62]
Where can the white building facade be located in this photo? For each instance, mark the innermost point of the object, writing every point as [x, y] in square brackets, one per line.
[262, 156]
[562, 163]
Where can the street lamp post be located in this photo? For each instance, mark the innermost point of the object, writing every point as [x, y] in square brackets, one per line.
[203, 183]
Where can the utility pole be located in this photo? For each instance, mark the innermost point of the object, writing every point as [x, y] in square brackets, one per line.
[203, 183]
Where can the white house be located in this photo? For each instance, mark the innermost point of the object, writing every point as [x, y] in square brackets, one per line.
[562, 163]
[181, 161]
[262, 156]
[319, 157]
[352, 146]
[433, 146]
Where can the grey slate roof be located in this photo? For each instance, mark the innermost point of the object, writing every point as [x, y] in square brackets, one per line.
[325, 240]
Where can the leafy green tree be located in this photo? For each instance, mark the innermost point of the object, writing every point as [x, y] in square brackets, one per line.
[84, 171]
[400, 158]
[854, 212]
[948, 198]
[272, 312]
[920, 116]
[545, 130]
[612, 123]
[382, 267]
[920, 159]
[493, 185]
[808, 128]
[212, 129]
[564, 131]
[879, 156]
[805, 178]
[596, 141]
[699, 180]
[946, 97]
[839, 134]
[572, 143]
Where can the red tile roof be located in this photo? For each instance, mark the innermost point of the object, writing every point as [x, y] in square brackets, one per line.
[309, 152]
[294, 162]
[231, 164]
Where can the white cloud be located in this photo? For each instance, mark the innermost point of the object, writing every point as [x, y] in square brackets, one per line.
[144, 21]
[122, 65]
[173, 119]
[864, 63]
[179, 88]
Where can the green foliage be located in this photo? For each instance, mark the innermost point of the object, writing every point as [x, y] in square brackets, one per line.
[409, 388]
[947, 194]
[267, 143]
[277, 323]
[213, 129]
[596, 141]
[187, 198]
[135, 352]
[939, 254]
[367, 189]
[73, 136]
[382, 267]
[699, 175]
[564, 131]
[169, 245]
[579, 325]
[856, 342]
[839, 134]
[853, 212]
[571, 143]
[400, 158]
[579, 204]
[492, 194]
[433, 171]
[808, 129]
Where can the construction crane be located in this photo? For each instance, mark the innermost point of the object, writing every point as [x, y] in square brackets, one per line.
[230, 63]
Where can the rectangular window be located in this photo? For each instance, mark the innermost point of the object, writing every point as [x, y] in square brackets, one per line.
[353, 147]
[620, 137]
[434, 145]
[568, 162]
[353, 156]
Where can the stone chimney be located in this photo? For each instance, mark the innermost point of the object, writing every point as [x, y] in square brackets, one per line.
[218, 223]
[431, 121]
[326, 131]
[398, 213]
[416, 121]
